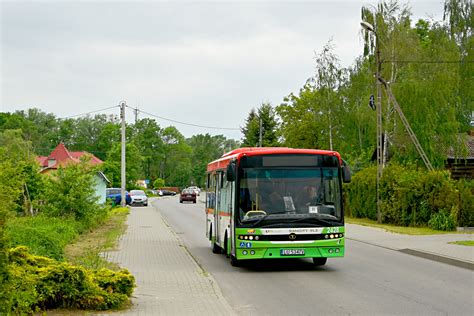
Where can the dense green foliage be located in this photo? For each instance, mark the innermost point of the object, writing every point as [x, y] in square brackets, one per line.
[264, 122]
[412, 198]
[45, 213]
[69, 192]
[40, 283]
[425, 68]
[152, 152]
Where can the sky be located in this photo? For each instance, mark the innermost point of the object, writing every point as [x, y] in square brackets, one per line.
[205, 63]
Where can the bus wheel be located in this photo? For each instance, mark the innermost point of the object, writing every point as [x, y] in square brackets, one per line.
[234, 261]
[319, 261]
[216, 248]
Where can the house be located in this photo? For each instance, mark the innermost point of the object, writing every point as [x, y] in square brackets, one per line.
[461, 165]
[62, 157]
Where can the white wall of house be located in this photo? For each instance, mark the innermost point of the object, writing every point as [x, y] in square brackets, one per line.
[100, 186]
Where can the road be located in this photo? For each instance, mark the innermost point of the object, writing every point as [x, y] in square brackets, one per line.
[368, 280]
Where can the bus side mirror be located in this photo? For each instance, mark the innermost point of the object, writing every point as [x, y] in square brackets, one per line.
[346, 174]
[230, 173]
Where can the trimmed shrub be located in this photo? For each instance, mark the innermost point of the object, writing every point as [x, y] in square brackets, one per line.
[362, 193]
[465, 189]
[411, 197]
[40, 283]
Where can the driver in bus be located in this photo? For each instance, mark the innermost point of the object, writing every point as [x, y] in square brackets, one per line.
[309, 196]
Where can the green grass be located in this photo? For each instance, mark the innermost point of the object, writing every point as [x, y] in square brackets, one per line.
[86, 249]
[396, 229]
[463, 243]
[44, 236]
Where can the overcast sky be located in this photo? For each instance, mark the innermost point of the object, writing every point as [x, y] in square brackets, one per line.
[205, 63]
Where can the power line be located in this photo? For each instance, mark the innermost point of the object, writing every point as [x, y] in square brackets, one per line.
[429, 61]
[183, 123]
[87, 113]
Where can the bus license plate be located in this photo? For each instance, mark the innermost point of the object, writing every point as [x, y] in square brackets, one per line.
[291, 252]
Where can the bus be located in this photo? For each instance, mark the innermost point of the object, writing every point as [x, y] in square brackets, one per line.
[268, 203]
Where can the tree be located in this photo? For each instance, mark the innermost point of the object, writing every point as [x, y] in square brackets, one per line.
[176, 162]
[112, 166]
[329, 77]
[206, 148]
[300, 126]
[147, 137]
[16, 160]
[266, 118]
[70, 191]
[158, 183]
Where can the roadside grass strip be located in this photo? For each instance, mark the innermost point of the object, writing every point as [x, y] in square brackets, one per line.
[399, 229]
[87, 250]
[463, 242]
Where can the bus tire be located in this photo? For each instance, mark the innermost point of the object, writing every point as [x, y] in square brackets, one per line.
[216, 248]
[234, 261]
[319, 261]
[226, 246]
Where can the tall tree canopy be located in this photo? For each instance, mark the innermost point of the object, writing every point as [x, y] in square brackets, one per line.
[265, 117]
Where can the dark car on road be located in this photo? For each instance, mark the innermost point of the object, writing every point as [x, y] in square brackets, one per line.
[166, 192]
[115, 195]
[187, 195]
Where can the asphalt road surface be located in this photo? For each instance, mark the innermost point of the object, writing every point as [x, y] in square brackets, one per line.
[369, 280]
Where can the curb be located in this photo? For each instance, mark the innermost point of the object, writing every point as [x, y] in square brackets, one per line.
[436, 257]
[426, 255]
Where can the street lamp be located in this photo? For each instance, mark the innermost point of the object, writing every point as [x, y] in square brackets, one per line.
[369, 27]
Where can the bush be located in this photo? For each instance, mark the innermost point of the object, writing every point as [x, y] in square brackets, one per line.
[40, 283]
[465, 189]
[69, 192]
[442, 221]
[361, 194]
[411, 197]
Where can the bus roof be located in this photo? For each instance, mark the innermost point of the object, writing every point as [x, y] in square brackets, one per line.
[222, 162]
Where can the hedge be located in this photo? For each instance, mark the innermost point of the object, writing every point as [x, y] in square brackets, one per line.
[412, 197]
[39, 283]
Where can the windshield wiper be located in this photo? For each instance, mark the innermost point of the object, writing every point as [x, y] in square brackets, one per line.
[323, 221]
[263, 218]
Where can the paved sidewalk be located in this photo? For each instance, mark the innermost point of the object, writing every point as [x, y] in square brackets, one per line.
[433, 247]
[169, 282]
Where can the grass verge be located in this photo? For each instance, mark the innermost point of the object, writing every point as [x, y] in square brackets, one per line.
[463, 243]
[89, 247]
[397, 229]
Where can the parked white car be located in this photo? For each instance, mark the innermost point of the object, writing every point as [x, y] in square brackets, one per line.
[195, 189]
[139, 197]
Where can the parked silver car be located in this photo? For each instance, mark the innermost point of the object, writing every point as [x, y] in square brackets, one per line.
[139, 197]
[195, 189]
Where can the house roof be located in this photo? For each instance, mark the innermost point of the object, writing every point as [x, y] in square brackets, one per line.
[62, 157]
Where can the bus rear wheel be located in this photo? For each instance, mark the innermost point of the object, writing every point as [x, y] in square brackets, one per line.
[319, 261]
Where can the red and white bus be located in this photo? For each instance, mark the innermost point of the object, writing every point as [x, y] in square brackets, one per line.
[276, 203]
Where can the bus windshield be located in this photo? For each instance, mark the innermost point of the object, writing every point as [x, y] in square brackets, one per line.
[268, 196]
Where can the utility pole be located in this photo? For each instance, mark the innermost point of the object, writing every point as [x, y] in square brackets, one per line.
[136, 114]
[122, 116]
[379, 128]
[369, 27]
[260, 134]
